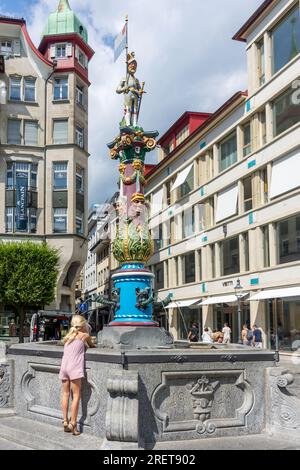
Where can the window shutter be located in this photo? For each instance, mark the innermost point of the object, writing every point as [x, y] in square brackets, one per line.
[17, 47]
[69, 50]
[52, 51]
[77, 52]
[31, 133]
[14, 132]
[60, 132]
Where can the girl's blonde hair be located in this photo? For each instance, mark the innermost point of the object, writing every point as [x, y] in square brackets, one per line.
[77, 323]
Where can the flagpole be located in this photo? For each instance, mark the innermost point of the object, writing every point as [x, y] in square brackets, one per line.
[126, 23]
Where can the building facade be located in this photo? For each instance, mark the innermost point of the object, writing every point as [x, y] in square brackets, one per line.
[44, 141]
[226, 197]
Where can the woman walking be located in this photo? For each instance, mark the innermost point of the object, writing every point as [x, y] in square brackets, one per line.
[72, 369]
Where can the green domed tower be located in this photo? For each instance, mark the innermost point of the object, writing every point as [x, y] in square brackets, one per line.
[64, 21]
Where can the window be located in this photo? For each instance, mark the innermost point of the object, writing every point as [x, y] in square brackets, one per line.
[189, 268]
[188, 185]
[60, 220]
[231, 258]
[168, 192]
[60, 175]
[247, 139]
[61, 51]
[79, 179]
[170, 231]
[264, 179]
[29, 89]
[245, 239]
[9, 220]
[286, 40]
[79, 222]
[289, 240]
[30, 133]
[79, 95]
[286, 112]
[159, 275]
[248, 204]
[228, 152]
[263, 128]
[266, 248]
[60, 131]
[157, 235]
[79, 136]
[29, 168]
[60, 89]
[14, 132]
[6, 47]
[188, 225]
[261, 62]
[182, 135]
[171, 147]
[82, 58]
[15, 88]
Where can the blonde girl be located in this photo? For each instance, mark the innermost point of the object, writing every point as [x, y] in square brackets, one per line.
[72, 369]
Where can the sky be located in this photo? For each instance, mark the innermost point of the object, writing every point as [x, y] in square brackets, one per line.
[185, 54]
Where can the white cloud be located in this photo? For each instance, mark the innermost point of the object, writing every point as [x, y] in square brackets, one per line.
[185, 55]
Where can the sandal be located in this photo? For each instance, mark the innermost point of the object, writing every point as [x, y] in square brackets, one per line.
[66, 426]
[73, 429]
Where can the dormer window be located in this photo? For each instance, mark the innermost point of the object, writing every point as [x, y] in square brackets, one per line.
[61, 51]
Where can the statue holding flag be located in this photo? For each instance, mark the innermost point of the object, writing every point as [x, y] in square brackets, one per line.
[133, 92]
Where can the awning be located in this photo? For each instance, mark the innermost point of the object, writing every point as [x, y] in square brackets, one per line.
[285, 174]
[182, 176]
[277, 293]
[157, 201]
[222, 299]
[183, 303]
[227, 203]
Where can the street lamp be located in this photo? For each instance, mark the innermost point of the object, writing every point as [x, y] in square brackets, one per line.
[238, 292]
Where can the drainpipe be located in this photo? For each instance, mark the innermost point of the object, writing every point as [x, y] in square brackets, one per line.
[45, 142]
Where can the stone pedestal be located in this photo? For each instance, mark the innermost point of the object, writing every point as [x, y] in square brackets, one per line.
[127, 338]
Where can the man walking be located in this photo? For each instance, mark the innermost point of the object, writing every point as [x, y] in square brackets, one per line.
[257, 337]
[227, 334]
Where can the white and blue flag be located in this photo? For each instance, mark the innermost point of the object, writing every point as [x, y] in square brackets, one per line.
[120, 42]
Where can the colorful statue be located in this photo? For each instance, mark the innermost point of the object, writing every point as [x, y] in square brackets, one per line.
[133, 92]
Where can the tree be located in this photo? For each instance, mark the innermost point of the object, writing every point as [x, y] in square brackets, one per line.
[28, 275]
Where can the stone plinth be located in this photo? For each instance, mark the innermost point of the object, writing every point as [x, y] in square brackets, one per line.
[133, 338]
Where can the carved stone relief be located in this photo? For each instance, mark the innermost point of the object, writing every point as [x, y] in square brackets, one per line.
[5, 386]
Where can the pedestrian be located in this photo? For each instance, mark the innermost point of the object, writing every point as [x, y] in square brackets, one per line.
[193, 335]
[206, 337]
[217, 336]
[72, 369]
[257, 337]
[227, 334]
[247, 336]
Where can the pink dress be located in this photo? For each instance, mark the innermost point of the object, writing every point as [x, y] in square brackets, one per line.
[73, 361]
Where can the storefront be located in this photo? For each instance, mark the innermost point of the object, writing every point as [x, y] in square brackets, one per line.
[186, 313]
[225, 310]
[10, 323]
[283, 317]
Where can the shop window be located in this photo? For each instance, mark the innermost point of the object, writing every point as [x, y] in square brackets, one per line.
[289, 240]
[228, 152]
[286, 112]
[231, 256]
[286, 39]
